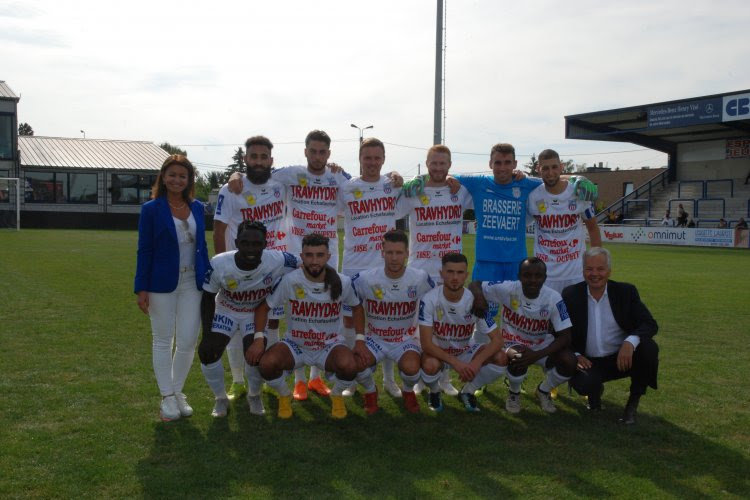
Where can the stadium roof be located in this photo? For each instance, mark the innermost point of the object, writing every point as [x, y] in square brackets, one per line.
[6, 92]
[101, 154]
[663, 125]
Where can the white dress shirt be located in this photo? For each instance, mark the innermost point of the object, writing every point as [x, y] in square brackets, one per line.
[603, 335]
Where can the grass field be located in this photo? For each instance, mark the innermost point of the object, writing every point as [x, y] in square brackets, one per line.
[78, 401]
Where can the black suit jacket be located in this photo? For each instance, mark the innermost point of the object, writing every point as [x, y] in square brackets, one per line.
[630, 313]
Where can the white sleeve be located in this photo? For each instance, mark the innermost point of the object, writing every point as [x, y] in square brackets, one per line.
[560, 318]
[425, 283]
[495, 291]
[348, 297]
[467, 200]
[425, 312]
[359, 283]
[224, 205]
[280, 293]
[212, 284]
[285, 175]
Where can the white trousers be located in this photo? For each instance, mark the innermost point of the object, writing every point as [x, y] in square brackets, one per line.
[175, 320]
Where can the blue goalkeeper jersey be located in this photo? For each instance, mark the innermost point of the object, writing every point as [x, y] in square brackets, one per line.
[501, 216]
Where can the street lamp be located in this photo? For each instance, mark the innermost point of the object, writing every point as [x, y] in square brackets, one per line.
[84, 134]
[361, 131]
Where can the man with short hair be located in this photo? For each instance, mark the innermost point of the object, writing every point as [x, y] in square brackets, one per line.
[234, 286]
[369, 206]
[612, 334]
[436, 224]
[260, 199]
[446, 325]
[530, 311]
[314, 296]
[390, 295]
[559, 239]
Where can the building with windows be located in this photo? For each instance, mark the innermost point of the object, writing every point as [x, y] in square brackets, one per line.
[85, 183]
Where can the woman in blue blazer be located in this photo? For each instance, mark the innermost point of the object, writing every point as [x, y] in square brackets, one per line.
[172, 263]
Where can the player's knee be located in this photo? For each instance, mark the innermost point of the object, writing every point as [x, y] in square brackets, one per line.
[346, 367]
[516, 371]
[647, 349]
[212, 347]
[566, 363]
[430, 365]
[409, 365]
[269, 366]
[273, 324]
[499, 359]
[586, 383]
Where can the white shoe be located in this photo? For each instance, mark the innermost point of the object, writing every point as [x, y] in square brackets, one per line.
[221, 408]
[349, 391]
[169, 410]
[545, 401]
[513, 403]
[446, 385]
[392, 388]
[185, 409]
[419, 387]
[256, 405]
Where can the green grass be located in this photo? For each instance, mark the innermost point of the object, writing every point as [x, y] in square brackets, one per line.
[78, 401]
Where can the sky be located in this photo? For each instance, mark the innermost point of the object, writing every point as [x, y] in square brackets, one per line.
[207, 75]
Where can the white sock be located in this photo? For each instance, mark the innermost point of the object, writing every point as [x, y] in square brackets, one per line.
[272, 335]
[214, 375]
[432, 381]
[445, 378]
[365, 379]
[408, 381]
[487, 374]
[314, 372]
[280, 386]
[388, 370]
[254, 380]
[515, 382]
[339, 386]
[552, 380]
[299, 375]
[236, 357]
[349, 337]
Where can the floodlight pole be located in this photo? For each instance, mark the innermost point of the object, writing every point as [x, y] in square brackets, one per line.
[361, 138]
[437, 136]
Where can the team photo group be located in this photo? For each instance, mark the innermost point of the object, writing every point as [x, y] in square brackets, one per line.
[404, 300]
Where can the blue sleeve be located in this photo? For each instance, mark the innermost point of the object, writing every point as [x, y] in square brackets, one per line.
[145, 256]
[470, 182]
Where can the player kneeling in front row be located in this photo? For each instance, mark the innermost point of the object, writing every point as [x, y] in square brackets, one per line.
[314, 296]
[390, 296]
[528, 309]
[237, 282]
[446, 325]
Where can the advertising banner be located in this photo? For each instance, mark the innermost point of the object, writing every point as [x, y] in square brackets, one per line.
[656, 235]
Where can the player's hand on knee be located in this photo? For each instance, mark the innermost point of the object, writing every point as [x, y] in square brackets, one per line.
[465, 371]
[143, 301]
[583, 363]
[255, 352]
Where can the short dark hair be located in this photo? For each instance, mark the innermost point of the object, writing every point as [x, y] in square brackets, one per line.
[251, 225]
[503, 148]
[548, 154]
[396, 236]
[532, 261]
[371, 142]
[315, 240]
[454, 257]
[258, 140]
[317, 135]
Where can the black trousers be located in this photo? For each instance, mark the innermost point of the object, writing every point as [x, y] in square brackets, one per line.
[642, 372]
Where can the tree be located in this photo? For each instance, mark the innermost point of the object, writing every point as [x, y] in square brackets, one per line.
[173, 150]
[568, 166]
[533, 165]
[237, 166]
[25, 129]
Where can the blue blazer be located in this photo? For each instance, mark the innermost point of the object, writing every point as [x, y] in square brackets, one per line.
[158, 264]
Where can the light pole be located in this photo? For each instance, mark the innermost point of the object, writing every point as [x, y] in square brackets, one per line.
[84, 134]
[361, 131]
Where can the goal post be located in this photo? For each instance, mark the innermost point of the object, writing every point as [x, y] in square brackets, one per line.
[10, 203]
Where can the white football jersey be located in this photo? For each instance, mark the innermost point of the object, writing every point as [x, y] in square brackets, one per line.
[313, 205]
[527, 321]
[435, 226]
[313, 320]
[452, 322]
[369, 212]
[560, 235]
[239, 292]
[391, 304]
[260, 202]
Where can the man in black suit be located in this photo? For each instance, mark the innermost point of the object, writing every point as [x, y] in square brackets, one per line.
[612, 338]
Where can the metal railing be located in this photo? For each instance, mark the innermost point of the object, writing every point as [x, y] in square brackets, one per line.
[702, 202]
[685, 183]
[619, 205]
[714, 181]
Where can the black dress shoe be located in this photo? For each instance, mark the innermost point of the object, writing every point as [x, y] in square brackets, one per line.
[594, 403]
[631, 408]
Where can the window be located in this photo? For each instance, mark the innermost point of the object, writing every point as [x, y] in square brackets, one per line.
[131, 189]
[6, 137]
[4, 187]
[60, 187]
[627, 188]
